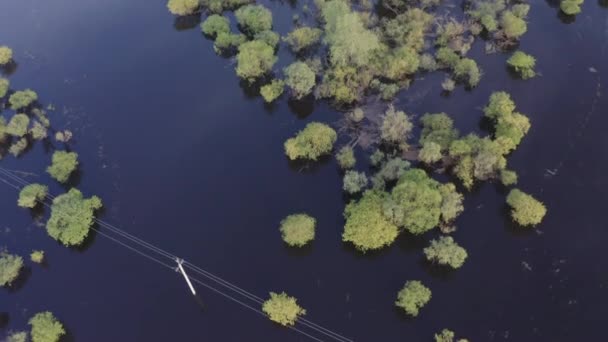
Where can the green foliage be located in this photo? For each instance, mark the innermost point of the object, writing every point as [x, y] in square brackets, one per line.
[427, 62]
[31, 194]
[4, 85]
[300, 79]
[346, 157]
[71, 217]
[38, 131]
[297, 230]
[390, 171]
[508, 177]
[430, 152]
[512, 26]
[303, 37]
[345, 84]
[400, 63]
[18, 125]
[447, 336]
[446, 57]
[282, 309]
[225, 42]
[182, 7]
[510, 126]
[18, 147]
[464, 170]
[269, 37]
[254, 19]
[523, 64]
[438, 128]
[466, 69]
[526, 210]
[37, 256]
[500, 105]
[459, 148]
[486, 12]
[571, 7]
[6, 55]
[314, 141]
[19, 336]
[215, 24]
[272, 90]
[445, 251]
[255, 58]
[396, 127]
[10, 266]
[354, 182]
[22, 99]
[408, 29]
[448, 84]
[520, 10]
[46, 328]
[356, 115]
[218, 6]
[377, 157]
[413, 297]
[62, 166]
[451, 202]
[366, 227]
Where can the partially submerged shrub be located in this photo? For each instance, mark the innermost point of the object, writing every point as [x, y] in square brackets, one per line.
[215, 24]
[298, 230]
[523, 64]
[37, 256]
[22, 99]
[438, 128]
[62, 166]
[38, 131]
[46, 328]
[303, 37]
[31, 194]
[571, 7]
[396, 127]
[283, 309]
[6, 55]
[467, 70]
[315, 140]
[72, 217]
[346, 157]
[182, 7]
[445, 251]
[390, 171]
[300, 79]
[508, 177]
[10, 266]
[272, 90]
[413, 297]
[354, 182]
[513, 27]
[255, 58]
[254, 19]
[18, 147]
[17, 336]
[447, 58]
[526, 210]
[269, 37]
[430, 153]
[227, 42]
[4, 84]
[447, 335]
[18, 125]
[448, 85]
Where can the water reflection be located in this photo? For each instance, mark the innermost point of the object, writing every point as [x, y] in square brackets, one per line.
[308, 167]
[302, 108]
[9, 69]
[187, 22]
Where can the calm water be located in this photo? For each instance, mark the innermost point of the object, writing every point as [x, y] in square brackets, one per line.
[184, 158]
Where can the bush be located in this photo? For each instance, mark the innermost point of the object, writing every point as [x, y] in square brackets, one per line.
[6, 55]
[427, 62]
[466, 69]
[448, 85]
[526, 210]
[20, 336]
[512, 26]
[38, 131]
[31, 194]
[523, 64]
[346, 158]
[297, 230]
[508, 177]
[282, 309]
[71, 217]
[354, 182]
[447, 58]
[430, 153]
[10, 266]
[314, 141]
[18, 125]
[4, 85]
[438, 128]
[520, 10]
[46, 328]
[272, 90]
[255, 58]
[448, 336]
[300, 78]
[366, 227]
[446, 252]
[396, 127]
[377, 157]
[400, 63]
[413, 297]
[18, 147]
[22, 99]
[215, 24]
[37, 256]
[254, 19]
[182, 7]
[62, 166]
[225, 42]
[303, 38]
[390, 171]
[500, 105]
[571, 7]
[269, 37]
[219, 6]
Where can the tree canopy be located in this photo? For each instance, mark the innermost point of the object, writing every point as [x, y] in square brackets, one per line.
[4, 85]
[18, 125]
[31, 194]
[315, 140]
[6, 55]
[413, 297]
[445, 251]
[254, 19]
[354, 182]
[526, 210]
[182, 7]
[571, 7]
[303, 38]
[72, 217]
[430, 152]
[37, 256]
[298, 230]
[300, 79]
[62, 166]
[438, 128]
[46, 328]
[346, 157]
[283, 309]
[396, 127]
[22, 99]
[523, 64]
[255, 58]
[215, 24]
[272, 90]
[10, 266]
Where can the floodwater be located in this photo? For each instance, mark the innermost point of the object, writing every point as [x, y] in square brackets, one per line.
[185, 158]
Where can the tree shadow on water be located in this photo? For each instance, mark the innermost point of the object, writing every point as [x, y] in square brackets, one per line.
[410, 243]
[308, 166]
[9, 68]
[299, 251]
[435, 270]
[302, 108]
[22, 278]
[512, 227]
[603, 3]
[188, 22]
[565, 18]
[4, 319]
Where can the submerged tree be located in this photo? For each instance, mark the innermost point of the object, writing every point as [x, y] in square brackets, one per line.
[430, 152]
[438, 128]
[10, 266]
[447, 335]
[300, 79]
[315, 140]
[526, 210]
[37, 256]
[46, 328]
[6, 55]
[396, 127]
[445, 251]
[255, 58]
[346, 158]
[354, 182]
[303, 37]
[389, 171]
[298, 230]
[467, 70]
[17, 336]
[72, 217]
[508, 177]
[182, 7]
[4, 85]
[523, 64]
[283, 309]
[254, 19]
[413, 297]
[62, 166]
[22, 99]
[272, 90]
[31, 194]
[215, 24]
[571, 7]
[18, 125]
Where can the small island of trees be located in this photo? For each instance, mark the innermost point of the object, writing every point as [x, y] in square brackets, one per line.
[71, 217]
[31, 195]
[315, 140]
[46, 328]
[445, 251]
[526, 210]
[283, 309]
[298, 230]
[63, 164]
[413, 297]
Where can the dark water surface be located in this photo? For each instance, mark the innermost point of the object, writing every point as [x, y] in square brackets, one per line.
[185, 159]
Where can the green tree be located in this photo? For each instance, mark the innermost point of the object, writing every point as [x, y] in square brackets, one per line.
[430, 153]
[182, 7]
[72, 217]
[255, 58]
[445, 251]
[303, 37]
[4, 85]
[526, 210]
[272, 90]
[31, 194]
[269, 37]
[366, 227]
[227, 42]
[37, 256]
[354, 182]
[346, 158]
[22, 99]
[445, 336]
[10, 266]
[438, 128]
[513, 27]
[6, 55]
[571, 7]
[390, 171]
[400, 63]
[62, 166]
[215, 24]
[447, 58]
[46, 328]
[18, 147]
[409, 28]
[314, 141]
[413, 297]
[18, 336]
[523, 64]
[38, 131]
[219, 6]
[451, 202]
[520, 10]
[500, 105]
[466, 69]
[300, 79]
[508, 177]
[298, 230]
[254, 19]
[283, 309]
[396, 127]
[18, 125]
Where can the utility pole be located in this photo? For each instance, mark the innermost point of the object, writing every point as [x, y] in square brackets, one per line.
[180, 269]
